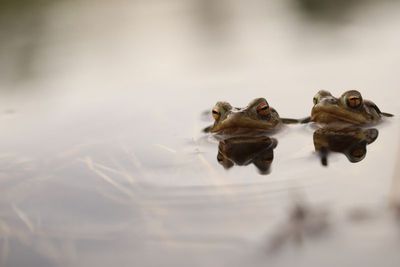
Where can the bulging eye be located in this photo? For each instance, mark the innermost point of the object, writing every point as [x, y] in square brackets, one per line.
[353, 99]
[216, 113]
[263, 108]
[220, 110]
[321, 94]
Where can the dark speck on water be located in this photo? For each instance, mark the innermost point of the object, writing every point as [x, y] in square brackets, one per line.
[302, 222]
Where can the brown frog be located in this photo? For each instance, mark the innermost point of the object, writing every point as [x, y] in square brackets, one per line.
[350, 109]
[257, 117]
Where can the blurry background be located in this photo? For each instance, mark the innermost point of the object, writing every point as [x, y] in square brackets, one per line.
[102, 158]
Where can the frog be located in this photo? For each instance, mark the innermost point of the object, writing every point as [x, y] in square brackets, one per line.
[256, 117]
[351, 141]
[243, 151]
[349, 109]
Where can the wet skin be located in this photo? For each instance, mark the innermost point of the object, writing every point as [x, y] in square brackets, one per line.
[350, 109]
[351, 141]
[243, 151]
[257, 117]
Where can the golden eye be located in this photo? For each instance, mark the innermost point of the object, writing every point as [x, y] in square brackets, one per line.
[263, 109]
[315, 100]
[354, 101]
[216, 114]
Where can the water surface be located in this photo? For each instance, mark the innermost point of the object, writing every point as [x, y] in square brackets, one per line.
[103, 160]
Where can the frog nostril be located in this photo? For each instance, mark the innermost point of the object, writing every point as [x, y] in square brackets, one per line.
[332, 101]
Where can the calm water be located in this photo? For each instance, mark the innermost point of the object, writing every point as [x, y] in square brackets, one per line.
[103, 161]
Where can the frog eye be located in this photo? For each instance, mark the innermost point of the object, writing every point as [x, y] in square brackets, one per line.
[354, 99]
[220, 109]
[319, 95]
[216, 113]
[263, 108]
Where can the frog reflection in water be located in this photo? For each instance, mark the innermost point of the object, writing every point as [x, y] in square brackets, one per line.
[340, 121]
[243, 151]
[351, 141]
[242, 133]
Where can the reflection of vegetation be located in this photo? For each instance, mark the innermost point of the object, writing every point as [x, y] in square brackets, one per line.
[326, 9]
[213, 17]
[20, 3]
[21, 24]
[307, 222]
[302, 222]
